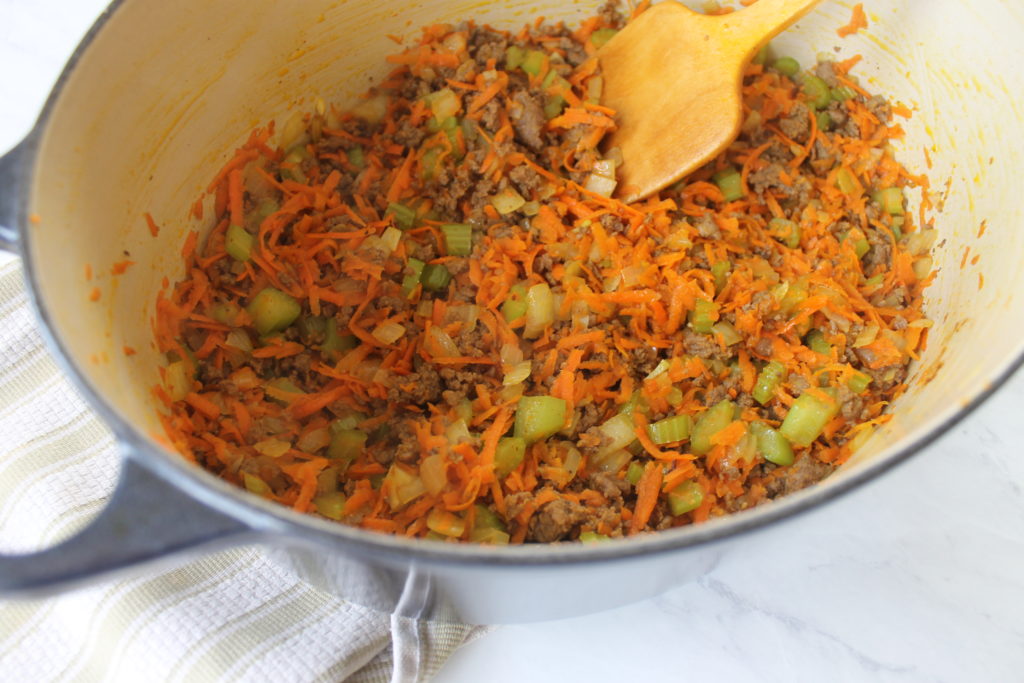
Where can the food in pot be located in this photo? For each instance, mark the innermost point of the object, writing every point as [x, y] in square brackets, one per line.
[427, 315]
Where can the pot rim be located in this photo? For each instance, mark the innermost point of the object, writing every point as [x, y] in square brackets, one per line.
[276, 520]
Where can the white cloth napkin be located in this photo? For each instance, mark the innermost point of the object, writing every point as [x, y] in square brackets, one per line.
[230, 616]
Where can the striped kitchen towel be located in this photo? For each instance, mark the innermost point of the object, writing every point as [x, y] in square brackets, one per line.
[231, 616]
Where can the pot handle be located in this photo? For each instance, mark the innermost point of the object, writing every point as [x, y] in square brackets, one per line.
[147, 519]
[11, 165]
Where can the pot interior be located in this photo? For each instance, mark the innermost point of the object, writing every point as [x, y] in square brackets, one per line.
[165, 92]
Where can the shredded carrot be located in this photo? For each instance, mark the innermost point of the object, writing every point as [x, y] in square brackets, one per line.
[857, 22]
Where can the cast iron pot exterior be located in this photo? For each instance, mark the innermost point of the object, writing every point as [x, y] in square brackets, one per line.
[164, 508]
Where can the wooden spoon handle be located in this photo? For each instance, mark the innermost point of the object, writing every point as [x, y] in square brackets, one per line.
[750, 29]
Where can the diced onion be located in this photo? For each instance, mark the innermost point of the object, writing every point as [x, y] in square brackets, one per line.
[507, 201]
[314, 440]
[433, 473]
[272, 448]
[631, 275]
[388, 332]
[455, 42]
[444, 103]
[372, 109]
[467, 314]
[458, 432]
[920, 242]
[240, 340]
[390, 238]
[443, 345]
[658, 369]
[611, 462]
[922, 267]
[293, 131]
[511, 354]
[540, 310]
[618, 432]
[601, 179]
[866, 336]
[519, 372]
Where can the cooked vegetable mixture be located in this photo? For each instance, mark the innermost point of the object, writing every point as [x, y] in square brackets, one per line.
[428, 316]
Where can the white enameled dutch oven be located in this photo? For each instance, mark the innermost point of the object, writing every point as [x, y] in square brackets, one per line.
[159, 94]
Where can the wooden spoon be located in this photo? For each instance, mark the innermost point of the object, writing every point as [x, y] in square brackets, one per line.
[673, 76]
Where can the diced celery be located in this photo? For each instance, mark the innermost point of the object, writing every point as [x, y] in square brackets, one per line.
[414, 268]
[335, 342]
[346, 444]
[858, 383]
[720, 270]
[509, 454]
[224, 312]
[891, 200]
[178, 379]
[540, 310]
[861, 247]
[533, 62]
[786, 231]
[330, 505]
[405, 218]
[768, 380]
[807, 418]
[435, 277]
[787, 66]
[703, 316]
[553, 106]
[636, 402]
[489, 536]
[842, 93]
[272, 310]
[634, 472]
[601, 36]
[824, 120]
[538, 417]
[356, 157]
[686, 497]
[428, 163]
[514, 56]
[238, 243]
[730, 183]
[486, 518]
[670, 429]
[515, 305]
[458, 238]
[772, 445]
[592, 537]
[711, 421]
[815, 341]
[817, 91]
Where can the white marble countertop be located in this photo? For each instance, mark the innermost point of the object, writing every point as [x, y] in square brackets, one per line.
[916, 577]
